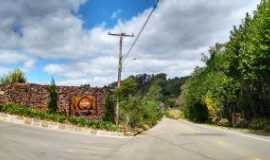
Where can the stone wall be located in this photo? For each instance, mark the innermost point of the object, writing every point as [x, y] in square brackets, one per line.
[37, 97]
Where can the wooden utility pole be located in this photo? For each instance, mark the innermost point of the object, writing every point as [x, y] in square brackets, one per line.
[120, 58]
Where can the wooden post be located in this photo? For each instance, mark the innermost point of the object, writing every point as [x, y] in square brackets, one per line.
[120, 65]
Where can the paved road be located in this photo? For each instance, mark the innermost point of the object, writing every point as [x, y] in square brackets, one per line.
[169, 140]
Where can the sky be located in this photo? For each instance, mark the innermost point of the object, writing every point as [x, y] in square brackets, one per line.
[67, 39]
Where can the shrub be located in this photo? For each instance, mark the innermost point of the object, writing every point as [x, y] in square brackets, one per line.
[152, 112]
[109, 108]
[136, 112]
[267, 128]
[53, 97]
[211, 107]
[197, 113]
[259, 123]
[174, 114]
[224, 122]
[17, 76]
[56, 117]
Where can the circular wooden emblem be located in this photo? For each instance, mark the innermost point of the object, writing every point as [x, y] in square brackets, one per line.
[85, 103]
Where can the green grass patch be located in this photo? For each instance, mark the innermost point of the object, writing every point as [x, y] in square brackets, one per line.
[57, 117]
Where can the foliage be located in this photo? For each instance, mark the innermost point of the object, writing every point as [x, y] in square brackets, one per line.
[141, 98]
[17, 76]
[139, 101]
[52, 106]
[109, 108]
[236, 75]
[170, 88]
[174, 114]
[224, 122]
[57, 117]
[259, 123]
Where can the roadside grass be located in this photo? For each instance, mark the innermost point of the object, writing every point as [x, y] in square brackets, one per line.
[262, 126]
[259, 126]
[260, 132]
[57, 117]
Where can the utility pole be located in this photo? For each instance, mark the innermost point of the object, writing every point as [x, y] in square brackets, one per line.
[120, 58]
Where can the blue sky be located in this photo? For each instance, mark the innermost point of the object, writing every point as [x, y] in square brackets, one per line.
[92, 13]
[97, 12]
[68, 39]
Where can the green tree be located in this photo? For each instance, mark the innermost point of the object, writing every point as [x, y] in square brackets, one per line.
[52, 106]
[236, 75]
[17, 76]
[254, 64]
[139, 106]
[109, 107]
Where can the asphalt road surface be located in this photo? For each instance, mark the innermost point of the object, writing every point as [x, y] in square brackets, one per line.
[169, 140]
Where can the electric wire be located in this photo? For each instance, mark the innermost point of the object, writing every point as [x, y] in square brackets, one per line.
[140, 32]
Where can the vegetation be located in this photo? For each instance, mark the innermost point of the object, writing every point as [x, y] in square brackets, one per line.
[109, 108]
[53, 97]
[17, 76]
[141, 99]
[236, 76]
[174, 114]
[56, 117]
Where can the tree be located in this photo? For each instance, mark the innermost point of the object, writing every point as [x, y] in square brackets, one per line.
[139, 105]
[254, 63]
[109, 107]
[52, 106]
[236, 75]
[17, 76]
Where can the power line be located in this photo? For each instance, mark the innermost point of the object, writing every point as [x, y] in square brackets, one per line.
[141, 31]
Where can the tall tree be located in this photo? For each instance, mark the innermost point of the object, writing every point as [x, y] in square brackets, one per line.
[52, 106]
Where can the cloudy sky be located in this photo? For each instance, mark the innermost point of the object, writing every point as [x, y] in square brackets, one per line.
[67, 39]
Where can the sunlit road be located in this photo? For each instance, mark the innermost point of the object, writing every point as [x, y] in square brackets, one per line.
[169, 140]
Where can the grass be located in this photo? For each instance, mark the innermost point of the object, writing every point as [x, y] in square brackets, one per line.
[57, 117]
[174, 114]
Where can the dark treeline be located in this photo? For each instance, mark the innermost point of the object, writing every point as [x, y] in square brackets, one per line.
[236, 78]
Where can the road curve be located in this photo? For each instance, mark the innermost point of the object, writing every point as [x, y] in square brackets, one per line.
[169, 140]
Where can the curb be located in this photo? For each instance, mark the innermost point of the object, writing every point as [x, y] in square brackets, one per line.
[58, 126]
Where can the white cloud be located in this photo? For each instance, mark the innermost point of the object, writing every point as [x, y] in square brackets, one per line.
[116, 14]
[173, 41]
[11, 57]
[29, 64]
[55, 69]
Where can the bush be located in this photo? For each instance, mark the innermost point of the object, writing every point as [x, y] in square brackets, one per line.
[109, 108]
[267, 128]
[224, 122]
[56, 117]
[137, 112]
[174, 114]
[259, 123]
[138, 108]
[17, 76]
[197, 113]
[53, 97]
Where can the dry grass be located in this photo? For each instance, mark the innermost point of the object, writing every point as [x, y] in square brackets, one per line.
[174, 114]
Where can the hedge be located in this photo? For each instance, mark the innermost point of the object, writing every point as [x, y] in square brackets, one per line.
[57, 117]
